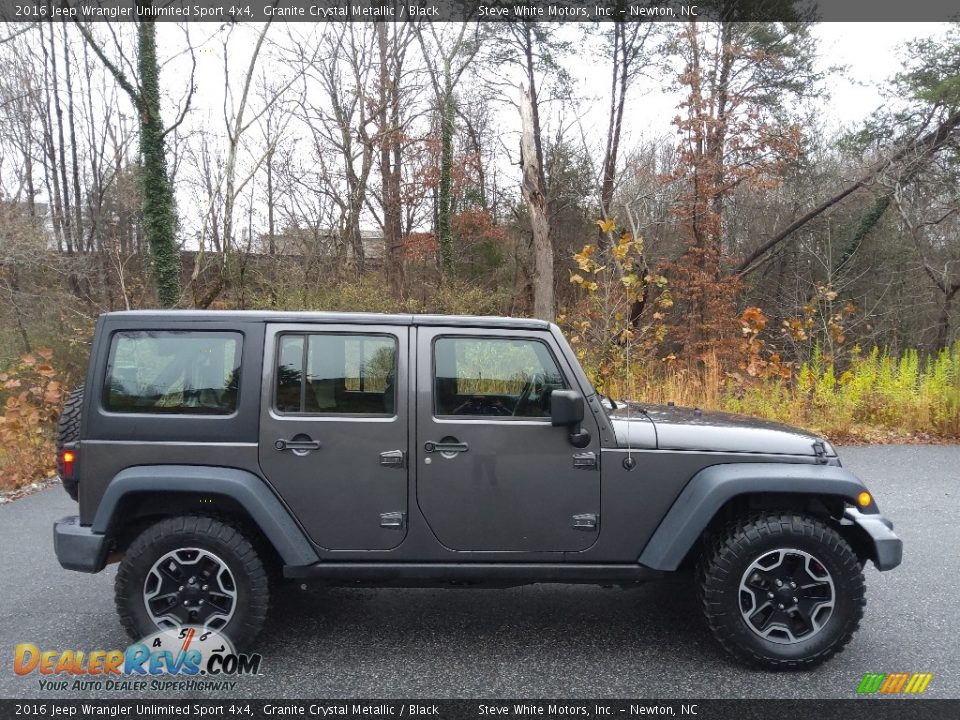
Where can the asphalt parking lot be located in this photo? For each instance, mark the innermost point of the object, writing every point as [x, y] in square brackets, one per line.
[540, 641]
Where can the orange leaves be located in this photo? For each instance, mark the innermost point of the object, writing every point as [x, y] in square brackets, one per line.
[477, 225]
[798, 327]
[31, 403]
[757, 359]
[820, 320]
[420, 246]
[753, 320]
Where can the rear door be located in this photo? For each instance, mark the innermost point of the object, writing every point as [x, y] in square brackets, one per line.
[493, 474]
[333, 430]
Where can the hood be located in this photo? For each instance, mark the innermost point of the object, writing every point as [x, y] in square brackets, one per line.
[667, 427]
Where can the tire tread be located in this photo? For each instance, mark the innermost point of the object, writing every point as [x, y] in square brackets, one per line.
[733, 546]
[194, 527]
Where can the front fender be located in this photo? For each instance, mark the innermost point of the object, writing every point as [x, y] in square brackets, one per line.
[250, 491]
[712, 487]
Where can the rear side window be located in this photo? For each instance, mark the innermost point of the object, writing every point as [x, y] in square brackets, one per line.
[332, 374]
[165, 372]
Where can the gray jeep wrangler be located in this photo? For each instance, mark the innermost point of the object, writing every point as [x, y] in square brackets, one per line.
[215, 454]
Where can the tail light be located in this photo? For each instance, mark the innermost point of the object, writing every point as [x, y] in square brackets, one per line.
[68, 461]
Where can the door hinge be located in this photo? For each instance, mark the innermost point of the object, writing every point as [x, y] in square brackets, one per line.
[392, 458]
[393, 520]
[586, 521]
[820, 450]
[586, 461]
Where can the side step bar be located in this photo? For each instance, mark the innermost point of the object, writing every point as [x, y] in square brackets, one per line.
[499, 574]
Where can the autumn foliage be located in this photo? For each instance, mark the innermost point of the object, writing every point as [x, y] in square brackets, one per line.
[32, 400]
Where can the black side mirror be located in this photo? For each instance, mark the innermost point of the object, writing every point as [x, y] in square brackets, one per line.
[566, 410]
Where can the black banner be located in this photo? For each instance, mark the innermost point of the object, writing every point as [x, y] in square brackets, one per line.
[479, 10]
[874, 709]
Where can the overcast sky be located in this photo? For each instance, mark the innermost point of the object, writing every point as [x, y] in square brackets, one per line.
[869, 51]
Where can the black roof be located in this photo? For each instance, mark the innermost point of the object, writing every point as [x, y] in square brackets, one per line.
[329, 317]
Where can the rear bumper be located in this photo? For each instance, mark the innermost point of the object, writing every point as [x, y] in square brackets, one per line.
[887, 548]
[78, 547]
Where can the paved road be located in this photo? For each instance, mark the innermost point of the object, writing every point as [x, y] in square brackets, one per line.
[539, 641]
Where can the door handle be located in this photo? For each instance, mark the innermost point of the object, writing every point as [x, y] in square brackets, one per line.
[445, 447]
[296, 445]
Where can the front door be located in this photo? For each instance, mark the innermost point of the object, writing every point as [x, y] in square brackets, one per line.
[333, 431]
[493, 474]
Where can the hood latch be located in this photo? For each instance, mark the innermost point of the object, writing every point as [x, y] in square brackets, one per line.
[820, 450]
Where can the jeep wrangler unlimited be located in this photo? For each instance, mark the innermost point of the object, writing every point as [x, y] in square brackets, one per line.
[214, 454]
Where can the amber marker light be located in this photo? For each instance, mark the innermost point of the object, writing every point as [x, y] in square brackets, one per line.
[68, 457]
[863, 499]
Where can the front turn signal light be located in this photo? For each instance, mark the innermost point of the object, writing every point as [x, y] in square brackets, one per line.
[864, 499]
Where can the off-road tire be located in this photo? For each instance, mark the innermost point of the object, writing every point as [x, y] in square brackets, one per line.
[68, 432]
[732, 552]
[227, 542]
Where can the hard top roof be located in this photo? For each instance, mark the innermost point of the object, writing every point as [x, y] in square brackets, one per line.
[283, 316]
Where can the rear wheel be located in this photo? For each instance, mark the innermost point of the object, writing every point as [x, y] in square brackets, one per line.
[193, 570]
[781, 590]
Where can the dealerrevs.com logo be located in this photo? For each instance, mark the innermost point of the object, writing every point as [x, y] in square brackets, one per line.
[894, 683]
[182, 659]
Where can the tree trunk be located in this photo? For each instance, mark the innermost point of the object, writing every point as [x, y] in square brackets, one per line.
[448, 110]
[534, 194]
[389, 130]
[618, 93]
[942, 338]
[61, 161]
[271, 221]
[159, 217]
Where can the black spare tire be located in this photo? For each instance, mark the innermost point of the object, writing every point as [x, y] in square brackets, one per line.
[68, 434]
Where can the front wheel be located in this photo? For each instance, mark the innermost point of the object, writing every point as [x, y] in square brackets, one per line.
[193, 570]
[782, 590]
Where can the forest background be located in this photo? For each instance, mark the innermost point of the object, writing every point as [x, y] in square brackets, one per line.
[682, 198]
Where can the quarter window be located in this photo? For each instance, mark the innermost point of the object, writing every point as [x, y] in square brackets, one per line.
[502, 377]
[166, 372]
[336, 374]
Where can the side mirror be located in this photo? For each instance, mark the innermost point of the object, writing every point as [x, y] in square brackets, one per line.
[566, 410]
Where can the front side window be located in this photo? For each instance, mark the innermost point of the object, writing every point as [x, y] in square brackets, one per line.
[166, 372]
[336, 374]
[501, 377]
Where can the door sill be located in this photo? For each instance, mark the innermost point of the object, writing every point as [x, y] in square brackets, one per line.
[400, 574]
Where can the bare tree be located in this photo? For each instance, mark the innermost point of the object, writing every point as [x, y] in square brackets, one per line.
[393, 42]
[447, 53]
[626, 45]
[343, 119]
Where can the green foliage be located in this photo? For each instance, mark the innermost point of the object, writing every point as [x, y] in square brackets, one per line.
[159, 214]
[448, 119]
[880, 392]
[932, 73]
[924, 93]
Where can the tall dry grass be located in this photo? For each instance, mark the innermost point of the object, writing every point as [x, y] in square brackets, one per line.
[878, 396]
